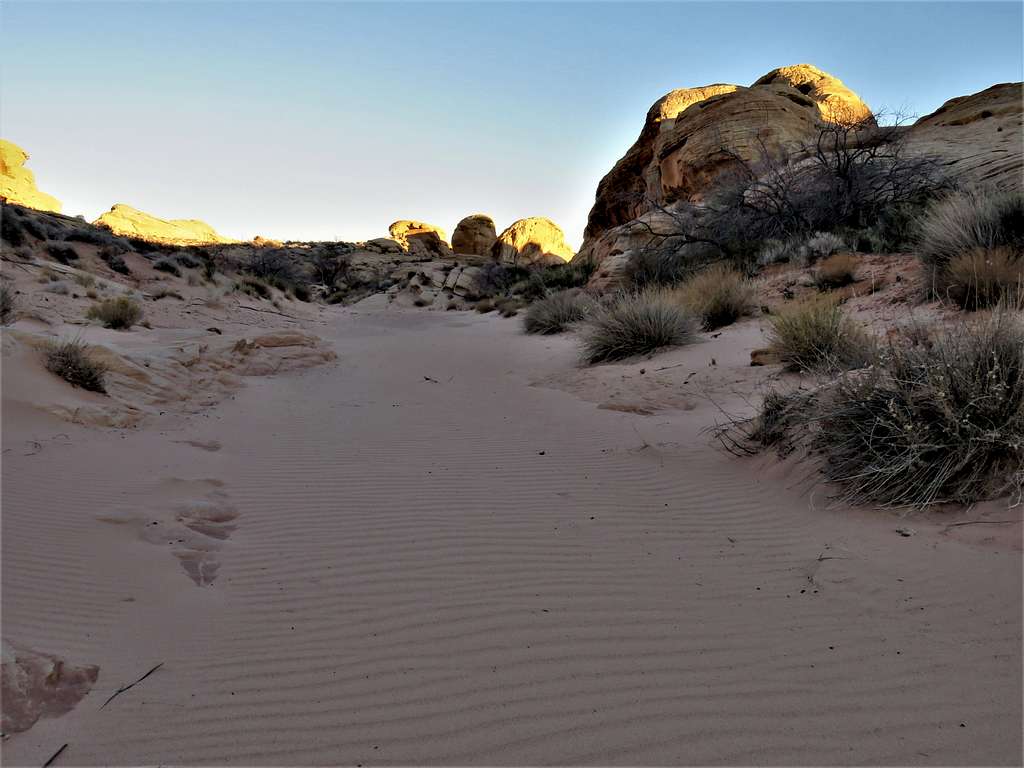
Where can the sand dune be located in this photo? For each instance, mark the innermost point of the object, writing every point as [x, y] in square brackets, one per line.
[438, 550]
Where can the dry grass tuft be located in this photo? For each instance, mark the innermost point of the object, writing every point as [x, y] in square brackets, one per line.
[836, 271]
[719, 295]
[970, 220]
[637, 324]
[119, 313]
[72, 361]
[984, 278]
[815, 335]
[558, 311]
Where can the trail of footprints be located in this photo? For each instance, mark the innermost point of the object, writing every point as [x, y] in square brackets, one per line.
[194, 521]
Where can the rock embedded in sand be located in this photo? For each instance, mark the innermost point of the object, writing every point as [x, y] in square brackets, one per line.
[18, 183]
[474, 235]
[126, 221]
[536, 240]
[38, 685]
[419, 238]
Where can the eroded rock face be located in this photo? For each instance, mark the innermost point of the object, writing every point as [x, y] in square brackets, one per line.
[18, 183]
[977, 138]
[536, 240]
[690, 133]
[474, 235]
[126, 221]
[38, 685]
[420, 239]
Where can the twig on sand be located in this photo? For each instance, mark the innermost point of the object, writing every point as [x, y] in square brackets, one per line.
[267, 311]
[980, 522]
[427, 378]
[54, 756]
[121, 690]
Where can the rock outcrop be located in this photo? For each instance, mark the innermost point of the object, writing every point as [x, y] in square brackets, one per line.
[420, 239]
[18, 183]
[474, 235]
[976, 138]
[692, 135]
[536, 240]
[126, 221]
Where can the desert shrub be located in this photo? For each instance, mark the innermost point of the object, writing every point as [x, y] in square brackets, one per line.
[143, 246]
[635, 324]
[164, 293]
[89, 236]
[11, 229]
[484, 306]
[836, 271]
[666, 263]
[821, 245]
[255, 288]
[984, 278]
[73, 362]
[167, 265]
[557, 311]
[7, 303]
[35, 227]
[774, 252]
[61, 252]
[59, 287]
[718, 295]
[530, 289]
[509, 306]
[970, 220]
[187, 260]
[112, 258]
[560, 277]
[118, 313]
[85, 280]
[497, 279]
[933, 422]
[815, 335]
[329, 266]
[301, 291]
[271, 263]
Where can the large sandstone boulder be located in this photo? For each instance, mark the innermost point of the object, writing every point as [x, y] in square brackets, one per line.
[420, 239]
[536, 240]
[126, 221]
[18, 183]
[474, 235]
[976, 138]
[692, 135]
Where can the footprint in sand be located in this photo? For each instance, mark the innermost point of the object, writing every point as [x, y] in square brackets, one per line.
[195, 519]
[38, 685]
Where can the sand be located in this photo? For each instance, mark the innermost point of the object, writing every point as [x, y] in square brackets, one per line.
[451, 545]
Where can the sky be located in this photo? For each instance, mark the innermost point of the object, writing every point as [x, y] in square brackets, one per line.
[331, 120]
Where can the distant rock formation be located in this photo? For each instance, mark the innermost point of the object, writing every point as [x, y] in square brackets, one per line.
[474, 235]
[692, 135]
[977, 138]
[419, 238]
[18, 183]
[129, 222]
[535, 240]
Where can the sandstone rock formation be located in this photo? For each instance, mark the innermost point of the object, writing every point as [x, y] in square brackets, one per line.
[535, 240]
[129, 222]
[977, 138]
[474, 235]
[18, 183]
[692, 135]
[420, 239]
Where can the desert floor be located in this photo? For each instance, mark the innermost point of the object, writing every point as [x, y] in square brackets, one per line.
[454, 546]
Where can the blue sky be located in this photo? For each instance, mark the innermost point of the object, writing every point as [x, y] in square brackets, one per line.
[331, 120]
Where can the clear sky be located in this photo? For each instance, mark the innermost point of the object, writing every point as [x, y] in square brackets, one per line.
[330, 120]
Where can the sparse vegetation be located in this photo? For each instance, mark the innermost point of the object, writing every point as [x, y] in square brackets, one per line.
[815, 335]
[85, 280]
[836, 271]
[167, 265]
[73, 362]
[120, 313]
[484, 306]
[558, 311]
[10, 226]
[111, 256]
[635, 324]
[719, 295]
[165, 293]
[7, 303]
[61, 252]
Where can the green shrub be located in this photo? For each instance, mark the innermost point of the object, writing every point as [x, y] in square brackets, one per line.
[558, 277]
[118, 313]
[557, 311]
[815, 335]
[636, 324]
[72, 361]
[719, 295]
